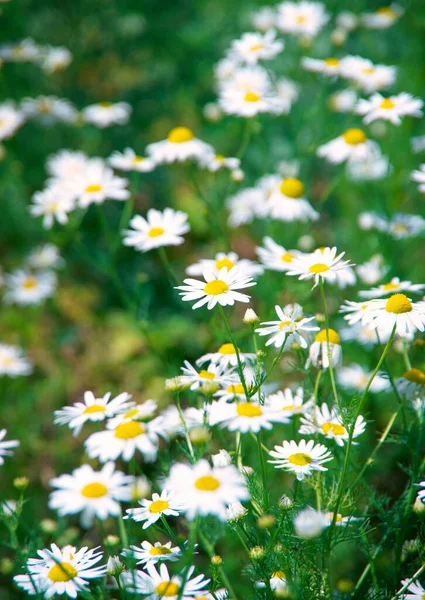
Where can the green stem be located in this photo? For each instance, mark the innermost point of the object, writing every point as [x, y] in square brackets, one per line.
[411, 580]
[238, 358]
[123, 531]
[263, 470]
[167, 265]
[331, 370]
[185, 429]
[210, 551]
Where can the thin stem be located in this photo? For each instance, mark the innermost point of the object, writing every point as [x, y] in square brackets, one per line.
[274, 363]
[406, 356]
[185, 429]
[410, 581]
[123, 531]
[210, 550]
[238, 358]
[167, 265]
[331, 370]
[263, 470]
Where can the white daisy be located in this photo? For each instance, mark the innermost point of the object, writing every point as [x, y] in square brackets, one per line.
[153, 553]
[355, 377]
[291, 403]
[276, 257]
[253, 47]
[340, 521]
[67, 164]
[291, 327]
[373, 270]
[228, 260]
[402, 226]
[412, 384]
[45, 257]
[136, 412]
[392, 286]
[343, 101]
[327, 66]
[353, 144]
[214, 374]
[13, 363]
[158, 229]
[155, 585]
[92, 409]
[6, 446]
[164, 504]
[128, 160]
[218, 288]
[383, 17]
[244, 416]
[417, 591]
[226, 357]
[53, 203]
[215, 162]
[364, 335]
[370, 168]
[49, 109]
[329, 423]
[25, 288]
[310, 523]
[399, 311]
[105, 114]
[98, 183]
[245, 206]
[419, 177]
[55, 58]
[306, 18]
[371, 78]
[322, 263]
[61, 571]
[389, 109]
[180, 145]
[356, 312]
[92, 494]
[301, 458]
[326, 342]
[24, 51]
[263, 19]
[10, 120]
[286, 202]
[204, 490]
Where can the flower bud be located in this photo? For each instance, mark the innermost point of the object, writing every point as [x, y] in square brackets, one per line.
[209, 388]
[310, 523]
[418, 506]
[285, 502]
[257, 552]
[221, 459]
[112, 540]
[48, 526]
[250, 317]
[237, 175]
[21, 483]
[176, 384]
[216, 560]
[114, 566]
[266, 521]
[235, 511]
[199, 435]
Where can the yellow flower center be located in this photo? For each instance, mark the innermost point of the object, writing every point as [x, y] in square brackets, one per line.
[220, 157]
[227, 349]
[159, 550]
[167, 589]
[62, 572]
[94, 408]
[105, 104]
[206, 375]
[137, 160]
[283, 324]
[334, 428]
[279, 575]
[415, 376]
[256, 47]
[331, 62]
[29, 283]
[94, 490]
[224, 262]
[207, 483]
[292, 187]
[398, 304]
[180, 135]
[130, 430]
[216, 287]
[131, 413]
[300, 19]
[287, 257]
[318, 268]
[7, 361]
[252, 97]
[368, 70]
[289, 407]
[354, 136]
[158, 506]
[156, 232]
[92, 188]
[390, 286]
[387, 103]
[333, 337]
[300, 459]
[247, 409]
[386, 11]
[236, 389]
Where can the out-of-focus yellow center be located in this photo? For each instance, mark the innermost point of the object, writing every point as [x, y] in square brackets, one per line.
[216, 287]
[237, 388]
[287, 257]
[390, 286]
[386, 11]
[207, 483]
[332, 336]
[156, 232]
[415, 376]
[354, 136]
[105, 104]
[227, 349]
[130, 430]
[292, 187]
[167, 589]
[300, 459]
[334, 428]
[251, 97]
[300, 19]
[387, 103]
[398, 304]
[283, 324]
[62, 572]
[159, 551]
[318, 268]
[331, 62]
[224, 262]
[256, 47]
[248, 409]
[179, 135]
[206, 375]
[93, 187]
[94, 408]
[94, 490]
[29, 283]
[158, 506]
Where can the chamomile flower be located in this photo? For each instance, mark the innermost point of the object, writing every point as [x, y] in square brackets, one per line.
[24, 51]
[327, 66]
[149, 553]
[158, 229]
[98, 183]
[217, 288]
[419, 177]
[341, 521]
[10, 120]
[6, 446]
[25, 288]
[253, 47]
[214, 374]
[373, 270]
[154, 585]
[356, 312]
[67, 164]
[164, 504]
[310, 523]
[288, 92]
[301, 458]
[226, 357]
[61, 571]
[343, 101]
[416, 589]
[53, 204]
[389, 109]
[323, 263]
[402, 226]
[276, 257]
[383, 17]
[92, 494]
[180, 145]
[137, 412]
[49, 110]
[123, 440]
[216, 162]
[329, 423]
[55, 58]
[286, 202]
[228, 260]
[45, 257]
[291, 403]
[92, 409]
[245, 206]
[128, 160]
[306, 18]
[105, 114]
[244, 416]
[399, 312]
[391, 287]
[353, 144]
[364, 335]
[412, 384]
[371, 78]
[205, 490]
[291, 327]
[325, 343]
[355, 377]
[13, 363]
[370, 168]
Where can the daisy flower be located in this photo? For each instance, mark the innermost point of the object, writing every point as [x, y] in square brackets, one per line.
[395, 285]
[61, 571]
[371, 271]
[419, 177]
[13, 363]
[244, 416]
[55, 59]
[105, 114]
[322, 263]
[45, 257]
[389, 109]
[98, 183]
[137, 412]
[353, 144]
[10, 120]
[25, 288]
[153, 553]
[343, 101]
[205, 490]
[403, 226]
[263, 19]
[217, 288]
[161, 504]
[24, 51]
[291, 327]
[291, 403]
[356, 312]
[302, 458]
[214, 374]
[123, 440]
[305, 18]
[49, 109]
[92, 494]
[158, 229]
[226, 357]
[364, 336]
[67, 164]
[370, 168]
[5, 446]
[327, 66]
[228, 260]
[326, 342]
[340, 520]
[130, 161]
[356, 377]
[180, 145]
[365, 74]
[288, 92]
[245, 206]
[278, 584]
[398, 311]
[417, 591]
[383, 17]
[286, 202]
[412, 384]
[53, 203]
[253, 47]
[92, 409]
[154, 585]
[329, 423]
[276, 257]
[215, 162]
[310, 523]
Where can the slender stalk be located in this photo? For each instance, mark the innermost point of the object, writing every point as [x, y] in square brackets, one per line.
[263, 470]
[167, 265]
[210, 551]
[238, 358]
[331, 370]
[406, 356]
[411, 580]
[123, 531]
[185, 429]
[268, 373]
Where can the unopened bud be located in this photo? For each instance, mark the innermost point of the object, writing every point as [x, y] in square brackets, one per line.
[6, 566]
[250, 317]
[212, 112]
[209, 388]
[199, 435]
[285, 502]
[235, 511]
[237, 175]
[266, 521]
[418, 506]
[112, 540]
[114, 566]
[221, 459]
[320, 317]
[216, 560]
[176, 384]
[338, 37]
[48, 526]
[257, 552]
[21, 483]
